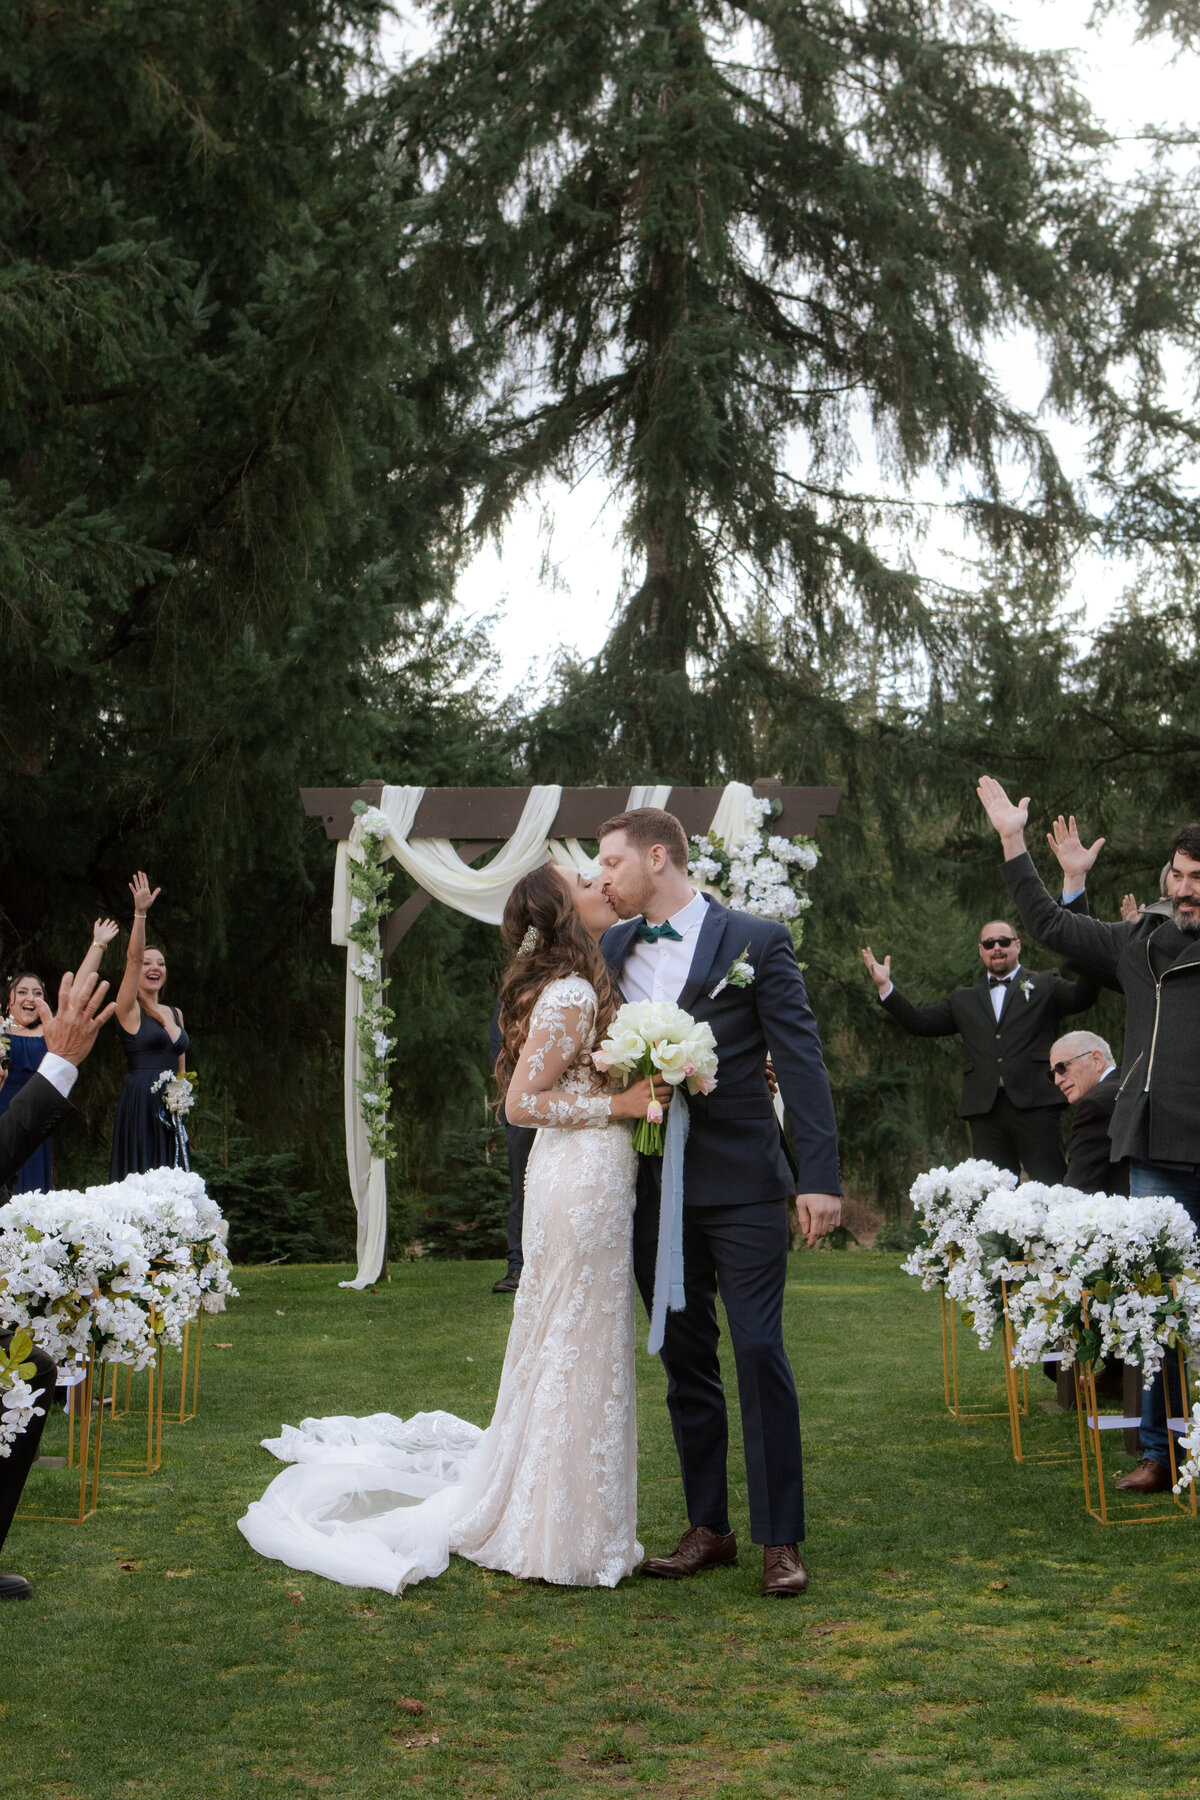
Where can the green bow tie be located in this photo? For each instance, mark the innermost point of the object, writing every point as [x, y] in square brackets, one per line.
[650, 934]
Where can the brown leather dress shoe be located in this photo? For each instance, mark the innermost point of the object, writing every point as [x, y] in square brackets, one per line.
[698, 1548]
[783, 1572]
[1149, 1477]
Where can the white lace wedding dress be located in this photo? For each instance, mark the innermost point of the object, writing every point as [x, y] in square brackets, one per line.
[549, 1490]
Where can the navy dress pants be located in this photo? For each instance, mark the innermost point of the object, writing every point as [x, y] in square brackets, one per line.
[740, 1253]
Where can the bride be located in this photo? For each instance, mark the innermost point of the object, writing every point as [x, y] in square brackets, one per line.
[549, 1490]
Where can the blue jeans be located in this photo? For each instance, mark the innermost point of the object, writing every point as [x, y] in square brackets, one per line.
[1147, 1178]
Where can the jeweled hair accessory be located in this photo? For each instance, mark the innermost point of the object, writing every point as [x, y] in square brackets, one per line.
[529, 942]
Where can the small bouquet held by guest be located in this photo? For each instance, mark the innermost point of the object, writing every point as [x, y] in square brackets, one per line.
[176, 1098]
[658, 1039]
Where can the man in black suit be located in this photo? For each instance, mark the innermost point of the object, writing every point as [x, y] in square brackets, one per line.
[518, 1141]
[1086, 1076]
[1007, 1023]
[33, 1115]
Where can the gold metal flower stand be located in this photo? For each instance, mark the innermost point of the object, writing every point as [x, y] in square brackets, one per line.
[190, 1372]
[950, 1373]
[85, 1432]
[1093, 1424]
[1018, 1395]
[120, 1411]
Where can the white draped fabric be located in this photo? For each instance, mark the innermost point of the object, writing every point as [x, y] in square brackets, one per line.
[435, 865]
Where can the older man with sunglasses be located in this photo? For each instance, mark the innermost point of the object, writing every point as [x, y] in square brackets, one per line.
[1007, 1022]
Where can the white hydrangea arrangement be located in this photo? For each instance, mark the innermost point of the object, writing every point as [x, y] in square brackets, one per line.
[18, 1396]
[118, 1268]
[977, 1228]
[370, 885]
[948, 1252]
[760, 873]
[1126, 1253]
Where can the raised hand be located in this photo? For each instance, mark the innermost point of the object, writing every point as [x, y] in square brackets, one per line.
[1009, 820]
[1074, 859]
[1131, 908]
[143, 899]
[880, 972]
[73, 1029]
[104, 931]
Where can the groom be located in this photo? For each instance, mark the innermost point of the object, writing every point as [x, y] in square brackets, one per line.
[675, 944]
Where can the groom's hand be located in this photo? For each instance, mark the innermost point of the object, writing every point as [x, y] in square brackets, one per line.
[819, 1214]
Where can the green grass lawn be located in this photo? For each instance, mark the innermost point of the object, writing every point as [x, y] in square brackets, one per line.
[968, 1628]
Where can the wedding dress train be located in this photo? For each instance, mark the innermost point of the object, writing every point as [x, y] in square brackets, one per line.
[549, 1489]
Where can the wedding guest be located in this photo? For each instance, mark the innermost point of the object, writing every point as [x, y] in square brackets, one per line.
[518, 1140]
[154, 1040]
[1076, 861]
[1007, 1022]
[27, 1046]
[1085, 1074]
[41, 1104]
[1156, 1118]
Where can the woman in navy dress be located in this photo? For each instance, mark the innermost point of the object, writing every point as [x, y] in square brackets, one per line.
[27, 1046]
[154, 1040]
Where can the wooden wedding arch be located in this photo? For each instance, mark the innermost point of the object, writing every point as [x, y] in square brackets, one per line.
[479, 819]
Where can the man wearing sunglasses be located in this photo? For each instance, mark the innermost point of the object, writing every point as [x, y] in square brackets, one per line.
[1083, 1071]
[1007, 1022]
[1156, 963]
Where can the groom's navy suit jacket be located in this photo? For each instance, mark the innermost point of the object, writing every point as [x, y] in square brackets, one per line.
[735, 1150]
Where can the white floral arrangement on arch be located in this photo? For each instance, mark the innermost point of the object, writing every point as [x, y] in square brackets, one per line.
[117, 1269]
[370, 905]
[760, 873]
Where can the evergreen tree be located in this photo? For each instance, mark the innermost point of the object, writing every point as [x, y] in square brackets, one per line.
[712, 247]
[227, 487]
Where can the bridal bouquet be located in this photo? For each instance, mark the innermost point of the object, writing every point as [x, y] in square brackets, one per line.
[657, 1038]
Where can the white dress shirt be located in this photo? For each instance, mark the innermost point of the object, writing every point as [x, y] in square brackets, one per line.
[58, 1072]
[997, 995]
[659, 971]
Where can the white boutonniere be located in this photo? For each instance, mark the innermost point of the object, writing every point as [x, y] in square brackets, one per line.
[739, 974]
[1026, 988]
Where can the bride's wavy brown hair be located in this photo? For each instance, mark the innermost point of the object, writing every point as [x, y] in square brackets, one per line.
[543, 900]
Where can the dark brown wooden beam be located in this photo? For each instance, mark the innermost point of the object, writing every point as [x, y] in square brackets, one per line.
[494, 813]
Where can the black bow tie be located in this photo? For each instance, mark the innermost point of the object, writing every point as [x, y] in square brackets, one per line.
[999, 980]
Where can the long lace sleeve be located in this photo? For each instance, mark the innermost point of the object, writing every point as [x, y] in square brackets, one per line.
[561, 1025]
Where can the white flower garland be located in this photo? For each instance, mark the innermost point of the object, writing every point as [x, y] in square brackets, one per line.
[370, 884]
[760, 873]
[119, 1268]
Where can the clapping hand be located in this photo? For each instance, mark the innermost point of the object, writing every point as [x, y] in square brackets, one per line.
[1131, 908]
[1009, 820]
[143, 899]
[1073, 859]
[880, 972]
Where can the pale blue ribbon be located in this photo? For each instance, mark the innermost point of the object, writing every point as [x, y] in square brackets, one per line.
[668, 1264]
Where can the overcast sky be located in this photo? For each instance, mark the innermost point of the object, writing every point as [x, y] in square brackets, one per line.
[555, 578]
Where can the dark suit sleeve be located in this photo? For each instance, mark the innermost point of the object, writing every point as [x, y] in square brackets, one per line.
[792, 1038]
[1074, 996]
[922, 1021]
[34, 1113]
[1091, 943]
[1088, 1166]
[1079, 905]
